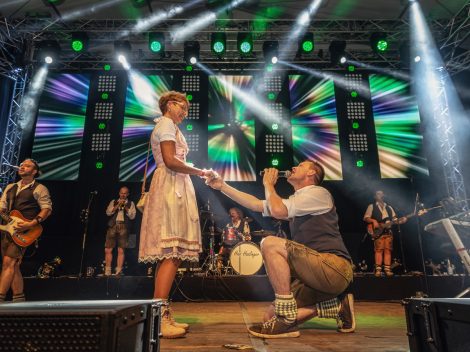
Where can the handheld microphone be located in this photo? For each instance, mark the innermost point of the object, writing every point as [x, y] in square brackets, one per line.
[94, 192]
[11, 166]
[285, 173]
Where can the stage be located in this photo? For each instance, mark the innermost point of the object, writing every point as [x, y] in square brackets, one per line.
[380, 327]
[200, 288]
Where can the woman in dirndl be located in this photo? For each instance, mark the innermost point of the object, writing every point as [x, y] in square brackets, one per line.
[170, 231]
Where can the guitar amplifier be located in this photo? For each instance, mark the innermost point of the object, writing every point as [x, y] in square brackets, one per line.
[105, 326]
[438, 324]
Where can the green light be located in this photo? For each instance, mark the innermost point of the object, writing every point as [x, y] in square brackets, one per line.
[189, 127]
[307, 46]
[107, 67]
[77, 45]
[218, 47]
[155, 46]
[354, 94]
[99, 165]
[245, 47]
[104, 96]
[274, 162]
[355, 125]
[382, 45]
[351, 68]
[102, 126]
[189, 97]
[188, 68]
[269, 68]
[360, 163]
[275, 126]
[271, 96]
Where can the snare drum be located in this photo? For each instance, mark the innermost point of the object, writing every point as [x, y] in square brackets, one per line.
[231, 236]
[246, 258]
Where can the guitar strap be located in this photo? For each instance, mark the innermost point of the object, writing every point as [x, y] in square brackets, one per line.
[11, 197]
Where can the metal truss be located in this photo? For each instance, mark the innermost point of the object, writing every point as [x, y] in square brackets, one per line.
[456, 57]
[14, 132]
[448, 147]
[102, 33]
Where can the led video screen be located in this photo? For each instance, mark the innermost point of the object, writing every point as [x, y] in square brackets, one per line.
[59, 129]
[397, 124]
[141, 109]
[231, 129]
[314, 123]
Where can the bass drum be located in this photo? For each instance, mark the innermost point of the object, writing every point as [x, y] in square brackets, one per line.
[246, 258]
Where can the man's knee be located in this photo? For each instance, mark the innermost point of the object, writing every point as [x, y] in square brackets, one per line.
[271, 244]
[9, 262]
[120, 250]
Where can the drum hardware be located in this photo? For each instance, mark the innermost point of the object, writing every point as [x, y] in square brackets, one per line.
[263, 233]
[209, 267]
[247, 219]
[48, 269]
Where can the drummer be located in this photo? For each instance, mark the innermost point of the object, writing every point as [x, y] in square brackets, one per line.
[235, 231]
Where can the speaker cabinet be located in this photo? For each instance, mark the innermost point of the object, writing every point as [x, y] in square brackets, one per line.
[122, 326]
[438, 324]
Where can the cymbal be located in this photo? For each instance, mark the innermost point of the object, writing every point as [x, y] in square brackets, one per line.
[247, 219]
[263, 233]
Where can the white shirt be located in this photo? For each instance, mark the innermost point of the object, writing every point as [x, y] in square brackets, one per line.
[40, 193]
[383, 210]
[165, 131]
[120, 216]
[309, 200]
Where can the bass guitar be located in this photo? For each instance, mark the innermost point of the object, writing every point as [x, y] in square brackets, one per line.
[21, 238]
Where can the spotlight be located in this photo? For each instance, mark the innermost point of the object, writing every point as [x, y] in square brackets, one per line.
[191, 52]
[306, 43]
[48, 51]
[378, 42]
[218, 43]
[342, 60]
[337, 48]
[417, 58]
[271, 51]
[157, 42]
[79, 42]
[245, 43]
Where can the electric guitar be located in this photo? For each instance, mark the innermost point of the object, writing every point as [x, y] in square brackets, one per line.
[23, 238]
[376, 232]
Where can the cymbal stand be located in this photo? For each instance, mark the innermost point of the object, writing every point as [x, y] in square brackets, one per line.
[210, 264]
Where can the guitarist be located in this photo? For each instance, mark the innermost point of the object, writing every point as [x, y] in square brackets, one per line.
[32, 199]
[378, 214]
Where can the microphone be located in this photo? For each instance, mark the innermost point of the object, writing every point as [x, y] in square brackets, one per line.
[12, 166]
[285, 173]
[94, 192]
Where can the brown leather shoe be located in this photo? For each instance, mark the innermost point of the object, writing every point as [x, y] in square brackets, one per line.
[274, 328]
[346, 319]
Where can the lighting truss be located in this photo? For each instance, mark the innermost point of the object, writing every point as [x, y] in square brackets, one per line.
[12, 142]
[448, 147]
[102, 32]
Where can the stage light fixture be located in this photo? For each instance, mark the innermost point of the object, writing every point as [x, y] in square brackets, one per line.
[360, 163]
[378, 42]
[245, 43]
[218, 43]
[48, 51]
[157, 42]
[417, 58]
[275, 162]
[306, 43]
[337, 51]
[271, 51]
[191, 52]
[79, 42]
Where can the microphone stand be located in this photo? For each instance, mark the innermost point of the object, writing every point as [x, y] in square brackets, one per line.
[85, 216]
[420, 242]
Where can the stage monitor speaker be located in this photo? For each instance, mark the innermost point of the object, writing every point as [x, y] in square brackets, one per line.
[438, 324]
[104, 326]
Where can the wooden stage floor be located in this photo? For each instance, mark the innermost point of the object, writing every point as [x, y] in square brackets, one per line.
[379, 327]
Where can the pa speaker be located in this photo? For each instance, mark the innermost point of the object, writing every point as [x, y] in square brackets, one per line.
[105, 326]
[438, 324]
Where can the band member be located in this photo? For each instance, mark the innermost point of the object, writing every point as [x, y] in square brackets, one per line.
[120, 212]
[235, 231]
[380, 216]
[32, 199]
[170, 230]
[309, 272]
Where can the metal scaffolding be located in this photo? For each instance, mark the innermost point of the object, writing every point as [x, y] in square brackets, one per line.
[447, 142]
[12, 142]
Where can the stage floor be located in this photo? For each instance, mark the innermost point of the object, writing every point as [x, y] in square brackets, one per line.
[380, 327]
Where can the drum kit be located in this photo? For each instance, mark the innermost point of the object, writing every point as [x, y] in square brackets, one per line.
[245, 256]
